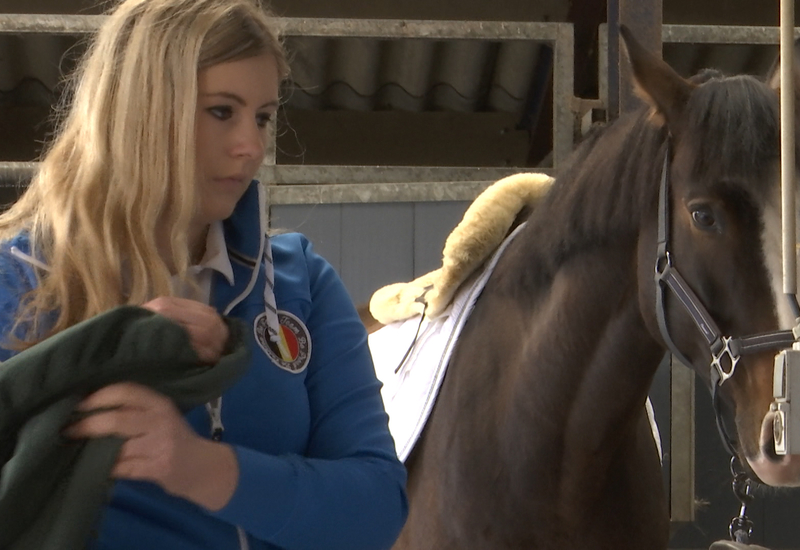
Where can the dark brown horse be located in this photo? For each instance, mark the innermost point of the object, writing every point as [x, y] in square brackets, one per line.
[539, 438]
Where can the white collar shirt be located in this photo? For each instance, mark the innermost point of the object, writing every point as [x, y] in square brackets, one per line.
[215, 259]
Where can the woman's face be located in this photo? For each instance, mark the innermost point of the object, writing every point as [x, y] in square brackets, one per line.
[235, 102]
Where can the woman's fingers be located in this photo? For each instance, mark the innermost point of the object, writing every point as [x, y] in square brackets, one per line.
[157, 436]
[207, 331]
[124, 394]
[107, 422]
[160, 445]
[125, 410]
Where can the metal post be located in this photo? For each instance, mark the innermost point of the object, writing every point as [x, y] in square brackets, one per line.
[788, 172]
[644, 18]
[682, 502]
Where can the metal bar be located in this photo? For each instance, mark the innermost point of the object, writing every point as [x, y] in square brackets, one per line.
[612, 59]
[644, 18]
[563, 94]
[293, 174]
[603, 54]
[376, 192]
[722, 34]
[788, 170]
[49, 24]
[682, 443]
[321, 27]
[271, 153]
[399, 28]
[13, 173]
[295, 184]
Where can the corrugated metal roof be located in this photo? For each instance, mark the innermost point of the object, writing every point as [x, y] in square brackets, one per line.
[360, 74]
[347, 73]
[366, 74]
[363, 74]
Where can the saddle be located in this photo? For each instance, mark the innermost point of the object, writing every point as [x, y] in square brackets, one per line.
[485, 224]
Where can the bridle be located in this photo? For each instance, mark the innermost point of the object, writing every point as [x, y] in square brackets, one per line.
[724, 349]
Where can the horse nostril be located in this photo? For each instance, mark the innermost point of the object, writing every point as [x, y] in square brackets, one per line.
[777, 431]
[772, 437]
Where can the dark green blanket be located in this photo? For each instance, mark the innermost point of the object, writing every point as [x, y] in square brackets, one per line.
[52, 489]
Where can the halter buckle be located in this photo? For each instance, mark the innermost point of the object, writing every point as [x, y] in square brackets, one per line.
[716, 359]
[663, 263]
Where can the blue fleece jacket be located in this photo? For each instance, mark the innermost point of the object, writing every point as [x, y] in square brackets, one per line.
[317, 464]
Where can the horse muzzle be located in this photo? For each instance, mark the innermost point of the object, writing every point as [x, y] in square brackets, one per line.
[778, 459]
[770, 467]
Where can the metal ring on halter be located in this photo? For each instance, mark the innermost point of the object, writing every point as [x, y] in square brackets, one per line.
[716, 359]
[663, 262]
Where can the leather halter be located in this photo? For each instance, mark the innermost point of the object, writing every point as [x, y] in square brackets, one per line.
[720, 346]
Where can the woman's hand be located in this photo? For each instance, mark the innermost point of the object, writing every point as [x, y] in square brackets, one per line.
[207, 330]
[160, 445]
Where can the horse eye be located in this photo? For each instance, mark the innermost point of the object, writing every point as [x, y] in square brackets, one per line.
[703, 217]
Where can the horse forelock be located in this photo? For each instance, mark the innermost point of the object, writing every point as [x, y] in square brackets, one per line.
[731, 126]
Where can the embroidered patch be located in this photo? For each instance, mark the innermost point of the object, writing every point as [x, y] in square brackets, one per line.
[294, 351]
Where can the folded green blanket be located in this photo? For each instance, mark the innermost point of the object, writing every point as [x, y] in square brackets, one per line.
[52, 489]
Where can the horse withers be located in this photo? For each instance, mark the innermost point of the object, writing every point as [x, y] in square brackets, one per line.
[661, 234]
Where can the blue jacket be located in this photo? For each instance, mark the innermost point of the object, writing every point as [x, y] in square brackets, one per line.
[317, 465]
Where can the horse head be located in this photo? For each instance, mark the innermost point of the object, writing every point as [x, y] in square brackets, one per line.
[719, 232]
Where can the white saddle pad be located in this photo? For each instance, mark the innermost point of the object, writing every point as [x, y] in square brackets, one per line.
[410, 391]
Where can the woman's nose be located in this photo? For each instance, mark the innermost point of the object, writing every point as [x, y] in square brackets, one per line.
[249, 141]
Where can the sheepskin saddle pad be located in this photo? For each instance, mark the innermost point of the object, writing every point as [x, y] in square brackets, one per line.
[424, 317]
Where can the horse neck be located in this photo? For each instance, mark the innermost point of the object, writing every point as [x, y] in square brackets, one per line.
[574, 397]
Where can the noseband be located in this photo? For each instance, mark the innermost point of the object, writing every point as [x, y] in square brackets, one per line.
[724, 349]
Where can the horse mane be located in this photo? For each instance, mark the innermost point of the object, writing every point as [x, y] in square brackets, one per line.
[611, 180]
[600, 194]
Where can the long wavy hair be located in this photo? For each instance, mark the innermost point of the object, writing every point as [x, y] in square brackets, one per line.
[121, 166]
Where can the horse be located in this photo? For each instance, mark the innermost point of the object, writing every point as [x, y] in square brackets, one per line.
[538, 438]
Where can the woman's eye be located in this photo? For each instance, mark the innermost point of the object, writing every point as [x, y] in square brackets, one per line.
[221, 112]
[263, 119]
[703, 217]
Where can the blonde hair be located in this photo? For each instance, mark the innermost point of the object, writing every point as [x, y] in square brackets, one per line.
[122, 163]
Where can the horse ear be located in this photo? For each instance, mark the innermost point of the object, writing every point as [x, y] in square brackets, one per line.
[656, 82]
[774, 74]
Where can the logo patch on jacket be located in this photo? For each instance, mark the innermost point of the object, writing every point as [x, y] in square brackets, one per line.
[293, 352]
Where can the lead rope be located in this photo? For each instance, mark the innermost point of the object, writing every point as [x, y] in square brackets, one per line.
[741, 528]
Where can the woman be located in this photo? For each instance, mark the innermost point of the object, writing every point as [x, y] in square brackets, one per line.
[146, 197]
